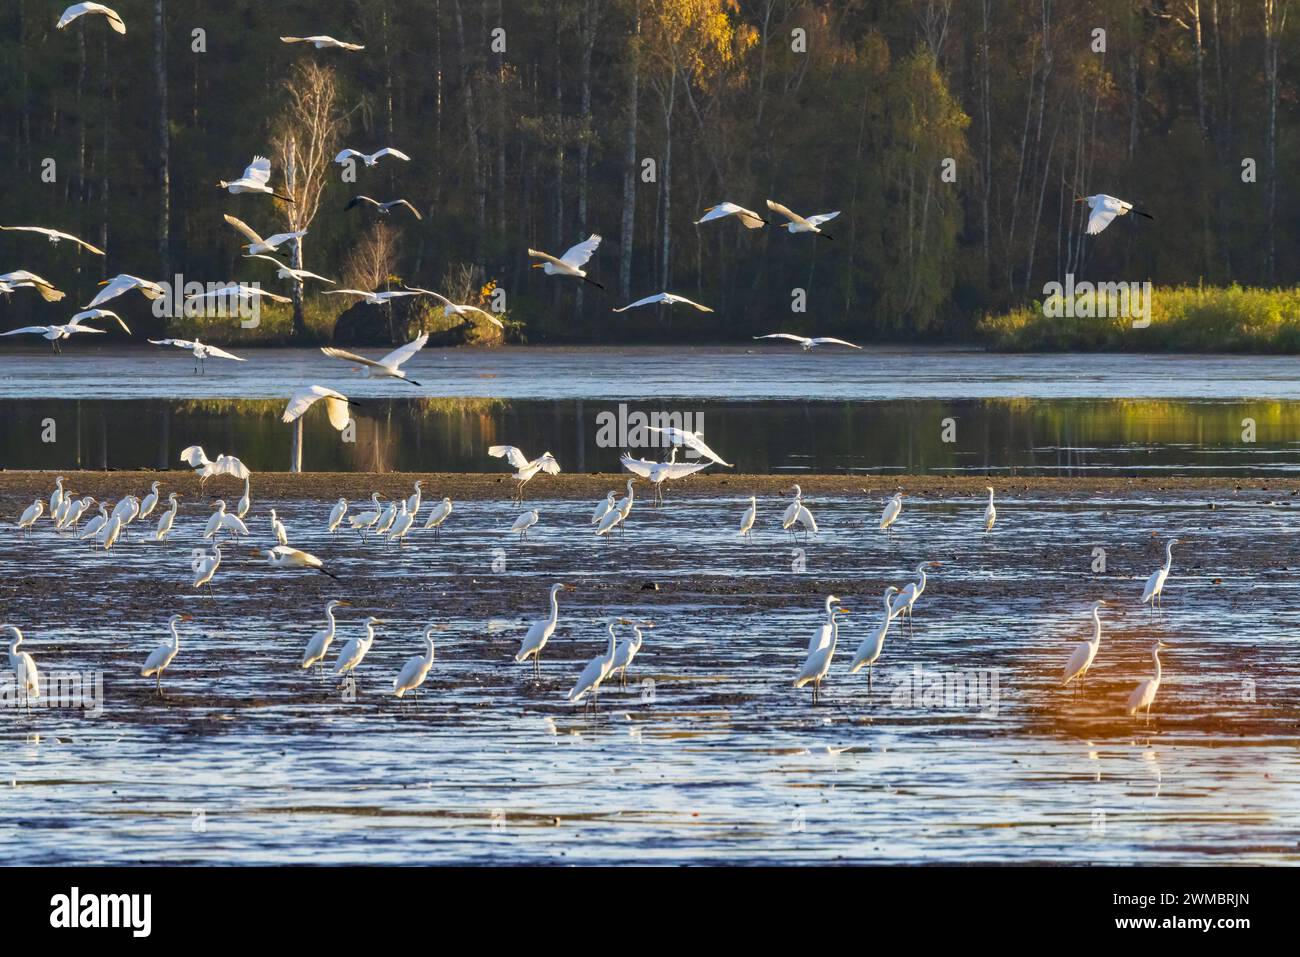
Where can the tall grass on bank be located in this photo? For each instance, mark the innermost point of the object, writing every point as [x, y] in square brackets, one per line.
[1183, 319]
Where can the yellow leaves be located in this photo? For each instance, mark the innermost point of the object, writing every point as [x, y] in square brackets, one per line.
[485, 293]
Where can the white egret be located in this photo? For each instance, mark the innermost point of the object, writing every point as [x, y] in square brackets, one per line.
[167, 518]
[539, 633]
[524, 522]
[869, 651]
[57, 333]
[285, 556]
[414, 500]
[1145, 693]
[818, 662]
[798, 512]
[54, 236]
[990, 513]
[1085, 651]
[390, 366]
[597, 669]
[571, 263]
[324, 42]
[401, 524]
[417, 667]
[748, 217]
[525, 469]
[803, 224]
[361, 522]
[373, 298]
[108, 534]
[386, 519]
[245, 501]
[382, 208]
[127, 509]
[668, 298]
[284, 271]
[910, 592]
[1155, 588]
[822, 635]
[603, 507]
[199, 350]
[459, 309]
[619, 513]
[225, 297]
[150, 501]
[808, 344]
[440, 513]
[627, 651]
[26, 677]
[82, 9]
[93, 526]
[72, 517]
[320, 642]
[256, 244]
[1104, 209]
[57, 496]
[160, 658]
[278, 530]
[123, 283]
[337, 513]
[256, 179]
[336, 405]
[747, 520]
[22, 279]
[30, 515]
[356, 648]
[370, 159]
[221, 520]
[204, 468]
[205, 566]
[893, 508]
[691, 440]
[660, 472]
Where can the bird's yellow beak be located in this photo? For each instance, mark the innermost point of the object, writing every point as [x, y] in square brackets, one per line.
[537, 265]
[342, 602]
[187, 617]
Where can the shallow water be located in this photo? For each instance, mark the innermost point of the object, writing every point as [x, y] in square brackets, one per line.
[252, 760]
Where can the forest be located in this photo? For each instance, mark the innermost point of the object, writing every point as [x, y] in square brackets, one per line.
[953, 136]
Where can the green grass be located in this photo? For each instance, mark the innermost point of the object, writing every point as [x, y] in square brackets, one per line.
[1183, 319]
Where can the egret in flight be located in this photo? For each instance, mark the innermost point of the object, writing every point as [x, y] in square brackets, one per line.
[336, 406]
[868, 652]
[373, 298]
[201, 351]
[1104, 209]
[370, 159]
[539, 633]
[284, 556]
[818, 662]
[204, 468]
[57, 333]
[390, 366]
[525, 469]
[597, 669]
[456, 309]
[571, 263]
[417, 667]
[256, 244]
[81, 9]
[54, 236]
[808, 344]
[225, 297]
[750, 218]
[321, 641]
[284, 271]
[1145, 693]
[382, 208]
[691, 440]
[660, 472]
[26, 677]
[668, 298]
[23, 279]
[160, 658]
[1085, 651]
[1155, 588]
[322, 43]
[803, 224]
[123, 283]
[256, 179]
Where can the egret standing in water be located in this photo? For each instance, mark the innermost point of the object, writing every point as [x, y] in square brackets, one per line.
[524, 522]
[906, 598]
[539, 633]
[818, 662]
[893, 508]
[150, 501]
[990, 513]
[1145, 693]
[356, 649]
[597, 669]
[1084, 653]
[747, 520]
[162, 656]
[167, 518]
[30, 515]
[205, 566]
[619, 513]
[439, 515]
[321, 641]
[627, 651]
[26, 678]
[869, 651]
[417, 667]
[796, 511]
[1155, 587]
[337, 514]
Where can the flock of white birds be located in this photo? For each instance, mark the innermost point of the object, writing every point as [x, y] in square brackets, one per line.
[394, 520]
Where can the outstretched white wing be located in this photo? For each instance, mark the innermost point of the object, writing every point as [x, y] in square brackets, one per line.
[822, 218]
[787, 213]
[402, 353]
[56, 235]
[347, 154]
[668, 297]
[244, 228]
[125, 283]
[784, 335]
[89, 314]
[827, 340]
[229, 465]
[750, 218]
[193, 456]
[396, 154]
[179, 343]
[336, 405]
[259, 171]
[547, 464]
[220, 353]
[1104, 209]
[514, 456]
[81, 9]
[578, 255]
[27, 329]
[639, 467]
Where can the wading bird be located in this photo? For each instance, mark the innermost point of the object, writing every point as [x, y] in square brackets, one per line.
[386, 518]
[162, 656]
[390, 366]
[107, 536]
[523, 523]
[869, 651]
[194, 457]
[26, 677]
[597, 669]
[417, 667]
[124, 283]
[1145, 693]
[336, 405]
[691, 440]
[798, 512]
[808, 344]
[55, 237]
[285, 271]
[603, 507]
[539, 633]
[382, 208]
[660, 472]
[356, 648]
[1104, 209]
[278, 530]
[201, 351]
[284, 556]
[818, 662]
[525, 469]
[627, 651]
[823, 633]
[668, 298]
[57, 496]
[619, 513]
[990, 513]
[205, 566]
[245, 501]
[221, 520]
[256, 244]
[30, 515]
[256, 179]
[803, 224]
[893, 509]
[571, 263]
[94, 526]
[82, 9]
[750, 218]
[906, 598]
[22, 279]
[1085, 651]
[401, 524]
[1154, 592]
[322, 43]
[747, 520]
[362, 522]
[337, 514]
[370, 159]
[414, 500]
[440, 513]
[167, 518]
[321, 641]
[150, 501]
